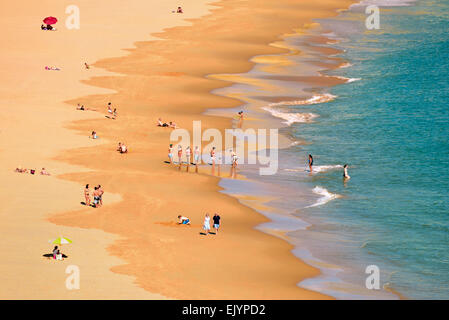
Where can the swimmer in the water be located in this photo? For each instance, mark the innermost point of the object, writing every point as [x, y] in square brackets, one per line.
[310, 162]
[345, 172]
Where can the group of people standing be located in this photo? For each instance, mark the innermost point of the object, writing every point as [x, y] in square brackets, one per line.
[206, 224]
[197, 158]
[97, 196]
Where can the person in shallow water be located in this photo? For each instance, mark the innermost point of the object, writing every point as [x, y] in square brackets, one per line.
[310, 162]
[345, 172]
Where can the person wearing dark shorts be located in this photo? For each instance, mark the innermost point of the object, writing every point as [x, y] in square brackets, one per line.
[216, 219]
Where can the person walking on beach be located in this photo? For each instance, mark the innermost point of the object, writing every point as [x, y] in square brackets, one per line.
[345, 172]
[233, 164]
[206, 224]
[212, 158]
[87, 195]
[216, 219]
[179, 155]
[170, 153]
[310, 162]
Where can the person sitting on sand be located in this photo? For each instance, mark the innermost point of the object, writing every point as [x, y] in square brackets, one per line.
[43, 27]
[94, 135]
[55, 251]
[109, 108]
[179, 10]
[114, 114]
[80, 107]
[59, 255]
[123, 148]
[44, 172]
[183, 220]
[119, 148]
[161, 124]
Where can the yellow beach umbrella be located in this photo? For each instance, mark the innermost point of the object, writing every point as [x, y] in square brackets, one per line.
[62, 240]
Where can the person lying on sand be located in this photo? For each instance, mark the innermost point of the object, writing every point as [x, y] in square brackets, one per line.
[52, 68]
[86, 65]
[80, 107]
[172, 125]
[161, 124]
[19, 169]
[44, 172]
[109, 108]
[114, 114]
[183, 220]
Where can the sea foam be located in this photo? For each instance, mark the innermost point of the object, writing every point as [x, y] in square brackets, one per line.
[326, 196]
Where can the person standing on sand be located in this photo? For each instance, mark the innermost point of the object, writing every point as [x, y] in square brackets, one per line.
[100, 195]
[87, 195]
[310, 162]
[216, 219]
[96, 197]
[170, 153]
[114, 115]
[179, 156]
[188, 151]
[196, 157]
[212, 158]
[206, 224]
[240, 119]
[110, 108]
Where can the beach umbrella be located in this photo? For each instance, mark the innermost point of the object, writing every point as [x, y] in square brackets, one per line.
[62, 240]
[50, 20]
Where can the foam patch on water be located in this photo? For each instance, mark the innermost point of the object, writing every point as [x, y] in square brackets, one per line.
[326, 196]
[297, 117]
[317, 169]
[291, 118]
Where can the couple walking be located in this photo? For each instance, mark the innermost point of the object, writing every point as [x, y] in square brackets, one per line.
[206, 224]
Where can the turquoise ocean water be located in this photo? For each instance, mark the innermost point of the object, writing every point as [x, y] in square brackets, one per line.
[390, 123]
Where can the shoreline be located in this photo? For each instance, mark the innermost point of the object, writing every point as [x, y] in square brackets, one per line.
[139, 247]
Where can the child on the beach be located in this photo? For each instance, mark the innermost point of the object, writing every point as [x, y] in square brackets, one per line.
[183, 220]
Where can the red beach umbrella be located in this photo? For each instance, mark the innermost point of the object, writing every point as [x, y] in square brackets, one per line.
[50, 20]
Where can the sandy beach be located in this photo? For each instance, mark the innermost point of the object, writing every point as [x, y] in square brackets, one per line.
[149, 63]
